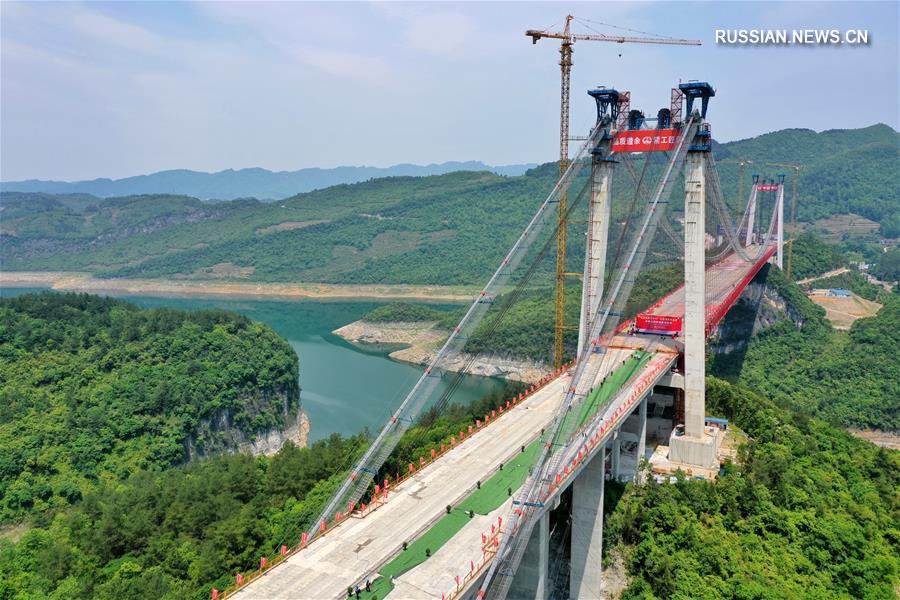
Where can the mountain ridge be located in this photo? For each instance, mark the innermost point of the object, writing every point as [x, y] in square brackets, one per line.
[255, 182]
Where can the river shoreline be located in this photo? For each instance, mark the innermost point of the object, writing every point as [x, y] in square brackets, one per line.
[420, 341]
[74, 281]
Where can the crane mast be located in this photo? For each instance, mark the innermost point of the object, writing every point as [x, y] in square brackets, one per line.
[568, 39]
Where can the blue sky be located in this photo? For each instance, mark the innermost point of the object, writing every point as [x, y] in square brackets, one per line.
[117, 89]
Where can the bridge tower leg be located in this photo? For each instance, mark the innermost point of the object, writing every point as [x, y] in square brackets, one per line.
[694, 293]
[587, 529]
[598, 213]
[751, 216]
[779, 255]
[694, 447]
[597, 239]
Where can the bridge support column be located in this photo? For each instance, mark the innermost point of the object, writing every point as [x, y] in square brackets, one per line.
[597, 238]
[694, 447]
[531, 579]
[587, 529]
[617, 455]
[642, 440]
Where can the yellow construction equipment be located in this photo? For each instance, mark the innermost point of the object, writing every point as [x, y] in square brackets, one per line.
[790, 242]
[568, 39]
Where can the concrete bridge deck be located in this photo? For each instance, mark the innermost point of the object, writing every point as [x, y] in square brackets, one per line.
[355, 549]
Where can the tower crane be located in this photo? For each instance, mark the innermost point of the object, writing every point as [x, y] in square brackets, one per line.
[790, 242]
[567, 40]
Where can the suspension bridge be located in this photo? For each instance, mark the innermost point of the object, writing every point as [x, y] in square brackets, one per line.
[472, 520]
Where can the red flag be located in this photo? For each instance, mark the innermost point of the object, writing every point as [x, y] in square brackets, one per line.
[283, 550]
[472, 565]
[239, 578]
[411, 468]
[303, 539]
[483, 538]
[215, 594]
[262, 563]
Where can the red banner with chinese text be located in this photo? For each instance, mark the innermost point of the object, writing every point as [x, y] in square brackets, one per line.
[647, 140]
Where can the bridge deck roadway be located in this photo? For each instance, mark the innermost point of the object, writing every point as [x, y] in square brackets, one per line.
[356, 548]
[721, 278]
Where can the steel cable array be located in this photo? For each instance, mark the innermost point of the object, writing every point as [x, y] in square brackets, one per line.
[353, 488]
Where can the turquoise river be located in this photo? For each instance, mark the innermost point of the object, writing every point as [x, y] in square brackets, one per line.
[345, 388]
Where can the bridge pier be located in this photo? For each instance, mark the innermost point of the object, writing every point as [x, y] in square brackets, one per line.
[617, 454]
[587, 529]
[642, 439]
[532, 577]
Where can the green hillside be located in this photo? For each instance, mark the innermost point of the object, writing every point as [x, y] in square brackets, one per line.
[444, 229]
[811, 513]
[849, 378]
[95, 390]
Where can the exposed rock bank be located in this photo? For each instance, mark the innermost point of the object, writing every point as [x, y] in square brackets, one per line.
[422, 340]
[219, 433]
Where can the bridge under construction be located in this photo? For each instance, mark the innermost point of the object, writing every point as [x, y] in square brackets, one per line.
[472, 519]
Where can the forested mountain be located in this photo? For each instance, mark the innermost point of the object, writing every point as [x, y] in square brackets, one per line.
[246, 183]
[444, 229]
[95, 390]
[849, 378]
[811, 513]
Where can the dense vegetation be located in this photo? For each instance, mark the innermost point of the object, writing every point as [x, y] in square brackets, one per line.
[180, 532]
[403, 311]
[811, 513]
[813, 257]
[444, 229]
[93, 390]
[887, 266]
[850, 378]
